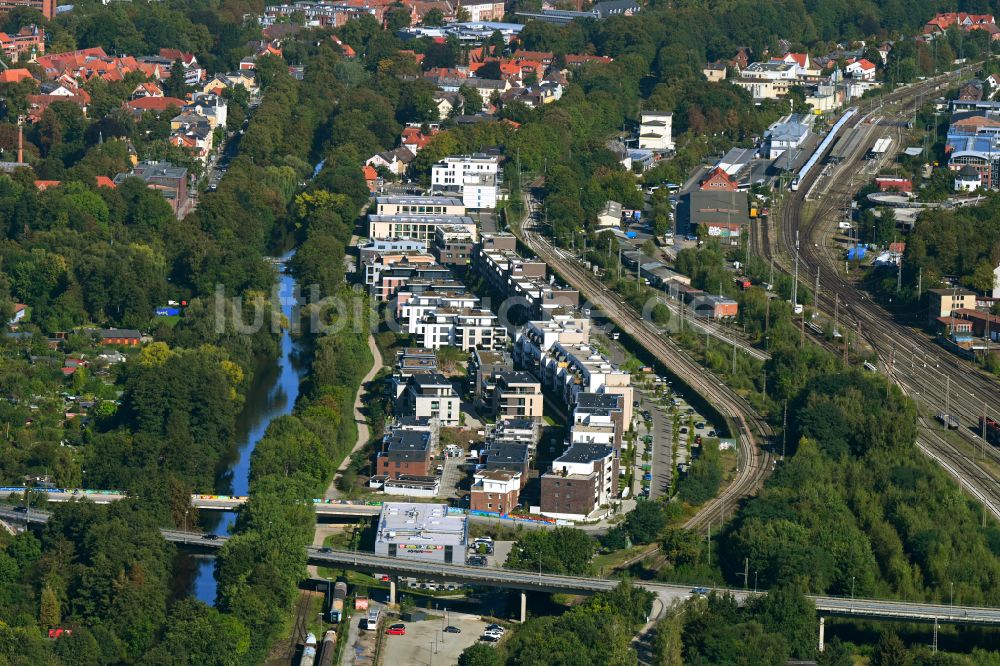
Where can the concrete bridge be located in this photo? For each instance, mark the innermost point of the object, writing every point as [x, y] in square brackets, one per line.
[871, 609]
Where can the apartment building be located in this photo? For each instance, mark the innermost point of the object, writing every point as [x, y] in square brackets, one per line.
[411, 310]
[518, 395]
[510, 457]
[495, 491]
[453, 247]
[404, 453]
[536, 338]
[602, 409]
[484, 365]
[430, 395]
[473, 177]
[404, 274]
[569, 370]
[582, 480]
[465, 328]
[510, 276]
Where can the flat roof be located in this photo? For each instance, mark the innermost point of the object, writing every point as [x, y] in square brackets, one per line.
[420, 524]
[508, 454]
[419, 200]
[590, 401]
[424, 219]
[408, 440]
[584, 453]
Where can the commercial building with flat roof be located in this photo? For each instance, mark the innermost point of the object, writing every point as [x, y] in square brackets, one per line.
[418, 205]
[418, 227]
[425, 532]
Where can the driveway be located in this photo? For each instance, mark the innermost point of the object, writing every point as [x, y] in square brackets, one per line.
[360, 649]
[451, 478]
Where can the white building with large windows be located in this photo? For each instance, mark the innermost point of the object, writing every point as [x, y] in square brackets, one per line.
[473, 177]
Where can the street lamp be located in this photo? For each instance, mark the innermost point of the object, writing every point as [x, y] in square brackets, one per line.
[852, 594]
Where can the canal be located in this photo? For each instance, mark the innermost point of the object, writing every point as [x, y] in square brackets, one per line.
[273, 393]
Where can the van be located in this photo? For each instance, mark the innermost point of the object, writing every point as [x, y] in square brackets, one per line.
[845, 225]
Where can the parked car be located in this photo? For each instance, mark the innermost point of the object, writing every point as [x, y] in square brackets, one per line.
[490, 638]
[452, 629]
[712, 433]
[476, 561]
[396, 630]
[495, 628]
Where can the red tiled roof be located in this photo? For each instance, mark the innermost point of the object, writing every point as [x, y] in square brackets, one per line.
[15, 75]
[155, 103]
[369, 172]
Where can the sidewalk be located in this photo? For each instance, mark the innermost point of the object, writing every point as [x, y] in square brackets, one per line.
[359, 418]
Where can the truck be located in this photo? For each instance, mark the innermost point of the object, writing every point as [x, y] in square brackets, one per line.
[337, 604]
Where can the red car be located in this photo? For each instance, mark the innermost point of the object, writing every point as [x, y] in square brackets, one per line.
[396, 630]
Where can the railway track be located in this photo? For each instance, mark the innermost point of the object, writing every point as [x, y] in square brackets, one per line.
[748, 426]
[932, 376]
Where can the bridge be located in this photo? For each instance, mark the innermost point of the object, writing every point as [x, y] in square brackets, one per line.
[523, 581]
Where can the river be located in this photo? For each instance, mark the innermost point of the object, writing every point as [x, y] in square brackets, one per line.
[273, 393]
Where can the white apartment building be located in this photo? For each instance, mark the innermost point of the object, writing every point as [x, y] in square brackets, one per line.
[464, 328]
[538, 337]
[413, 309]
[431, 396]
[655, 131]
[572, 369]
[474, 177]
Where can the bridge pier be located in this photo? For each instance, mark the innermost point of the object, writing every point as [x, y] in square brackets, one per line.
[524, 607]
[822, 627]
[392, 590]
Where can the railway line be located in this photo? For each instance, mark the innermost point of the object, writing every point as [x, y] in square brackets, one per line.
[748, 426]
[935, 378]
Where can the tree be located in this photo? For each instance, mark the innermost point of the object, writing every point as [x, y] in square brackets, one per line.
[176, 86]
[49, 614]
[480, 654]
[490, 70]
[890, 651]
[645, 522]
[434, 17]
[473, 101]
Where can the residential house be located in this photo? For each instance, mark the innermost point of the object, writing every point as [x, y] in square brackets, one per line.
[372, 179]
[447, 103]
[395, 160]
[126, 337]
[413, 137]
[714, 71]
[860, 68]
[47, 8]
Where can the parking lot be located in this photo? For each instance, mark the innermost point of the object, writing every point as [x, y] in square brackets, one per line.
[425, 642]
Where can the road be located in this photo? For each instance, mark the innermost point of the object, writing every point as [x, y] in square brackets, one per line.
[935, 378]
[550, 583]
[748, 427]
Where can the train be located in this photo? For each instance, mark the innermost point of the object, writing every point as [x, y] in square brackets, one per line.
[991, 430]
[329, 648]
[309, 651]
[337, 604]
[824, 145]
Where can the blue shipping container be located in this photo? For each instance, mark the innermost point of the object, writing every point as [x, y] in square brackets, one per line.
[167, 312]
